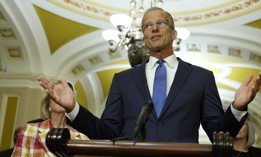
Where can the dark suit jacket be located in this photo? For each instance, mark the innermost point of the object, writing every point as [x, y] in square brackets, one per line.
[193, 99]
[7, 152]
[252, 152]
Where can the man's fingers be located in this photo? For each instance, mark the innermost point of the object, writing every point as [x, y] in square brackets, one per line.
[257, 82]
[41, 79]
[247, 80]
[258, 79]
[45, 83]
[65, 83]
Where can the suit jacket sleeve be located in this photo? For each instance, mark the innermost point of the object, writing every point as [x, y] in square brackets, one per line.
[210, 123]
[96, 128]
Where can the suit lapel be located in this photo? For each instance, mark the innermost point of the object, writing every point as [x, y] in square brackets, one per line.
[183, 71]
[139, 76]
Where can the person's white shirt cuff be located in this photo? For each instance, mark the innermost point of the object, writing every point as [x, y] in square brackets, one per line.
[72, 115]
[238, 114]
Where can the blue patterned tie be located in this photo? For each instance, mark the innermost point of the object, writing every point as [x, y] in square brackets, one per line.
[159, 87]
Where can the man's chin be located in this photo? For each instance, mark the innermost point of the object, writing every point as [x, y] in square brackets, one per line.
[157, 50]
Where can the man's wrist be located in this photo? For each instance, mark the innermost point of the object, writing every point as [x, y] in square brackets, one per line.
[238, 109]
[72, 115]
[238, 114]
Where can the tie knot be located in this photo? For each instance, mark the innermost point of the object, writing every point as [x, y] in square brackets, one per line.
[160, 62]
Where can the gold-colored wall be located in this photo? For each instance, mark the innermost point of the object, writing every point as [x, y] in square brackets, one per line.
[17, 106]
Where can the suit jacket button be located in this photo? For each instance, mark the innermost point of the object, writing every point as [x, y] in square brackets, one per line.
[159, 123]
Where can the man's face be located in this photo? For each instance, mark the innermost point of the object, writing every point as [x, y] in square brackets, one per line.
[157, 33]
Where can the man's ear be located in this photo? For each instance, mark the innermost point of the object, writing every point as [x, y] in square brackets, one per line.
[174, 34]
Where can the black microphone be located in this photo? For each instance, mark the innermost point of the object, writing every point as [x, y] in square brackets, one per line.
[143, 117]
[140, 123]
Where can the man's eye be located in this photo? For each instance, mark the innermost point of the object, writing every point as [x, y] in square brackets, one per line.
[160, 23]
[149, 25]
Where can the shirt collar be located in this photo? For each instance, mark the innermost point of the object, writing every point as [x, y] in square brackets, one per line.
[170, 60]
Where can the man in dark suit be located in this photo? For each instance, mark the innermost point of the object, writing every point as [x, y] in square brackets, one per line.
[191, 95]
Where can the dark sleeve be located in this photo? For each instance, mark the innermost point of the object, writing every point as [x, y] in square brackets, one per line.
[90, 125]
[231, 124]
[254, 151]
[213, 117]
[109, 126]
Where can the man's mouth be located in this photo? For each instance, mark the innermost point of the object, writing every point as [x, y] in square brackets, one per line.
[155, 37]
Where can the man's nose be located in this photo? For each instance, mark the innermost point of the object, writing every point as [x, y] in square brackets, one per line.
[154, 26]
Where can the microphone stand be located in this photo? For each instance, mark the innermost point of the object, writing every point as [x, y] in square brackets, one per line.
[139, 137]
[141, 134]
[139, 130]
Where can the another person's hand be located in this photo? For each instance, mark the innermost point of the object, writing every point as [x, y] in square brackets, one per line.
[247, 92]
[62, 95]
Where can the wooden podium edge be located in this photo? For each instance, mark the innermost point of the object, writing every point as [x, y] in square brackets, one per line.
[59, 143]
